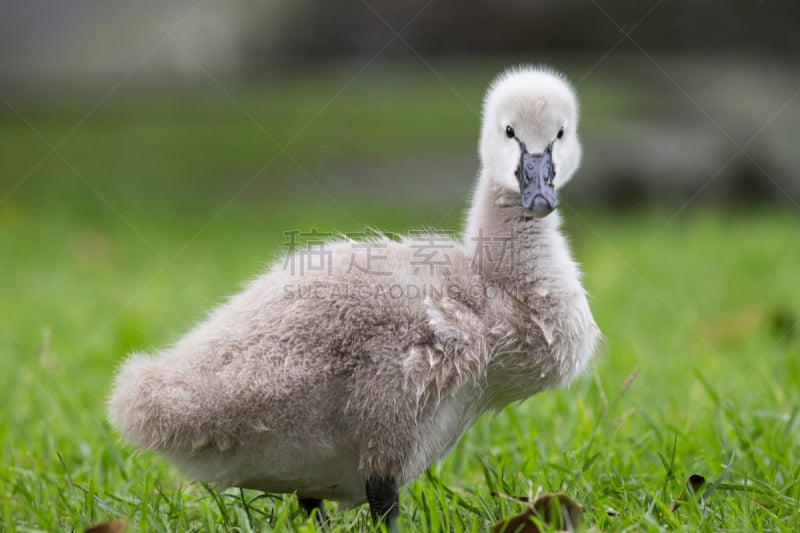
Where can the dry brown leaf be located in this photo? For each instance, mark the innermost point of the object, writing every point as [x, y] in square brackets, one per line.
[695, 483]
[114, 526]
[554, 510]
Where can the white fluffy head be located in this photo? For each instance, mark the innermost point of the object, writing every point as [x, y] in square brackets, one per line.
[536, 103]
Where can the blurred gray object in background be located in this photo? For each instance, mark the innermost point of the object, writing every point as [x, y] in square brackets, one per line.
[700, 78]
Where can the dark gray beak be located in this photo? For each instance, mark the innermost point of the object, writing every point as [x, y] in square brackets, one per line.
[535, 176]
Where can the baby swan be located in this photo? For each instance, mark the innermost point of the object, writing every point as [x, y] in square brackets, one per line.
[345, 382]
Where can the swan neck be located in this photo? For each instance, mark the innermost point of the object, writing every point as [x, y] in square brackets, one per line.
[503, 238]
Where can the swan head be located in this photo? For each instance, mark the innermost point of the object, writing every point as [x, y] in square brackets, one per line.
[529, 143]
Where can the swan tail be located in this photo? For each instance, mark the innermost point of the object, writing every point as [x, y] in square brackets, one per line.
[155, 406]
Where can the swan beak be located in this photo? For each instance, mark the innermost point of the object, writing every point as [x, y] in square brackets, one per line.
[535, 176]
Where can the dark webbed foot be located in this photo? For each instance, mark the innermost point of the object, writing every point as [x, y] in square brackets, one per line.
[384, 500]
[310, 504]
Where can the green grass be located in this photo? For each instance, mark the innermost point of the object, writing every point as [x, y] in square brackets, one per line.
[698, 373]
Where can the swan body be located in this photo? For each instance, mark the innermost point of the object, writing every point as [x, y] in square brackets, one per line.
[347, 381]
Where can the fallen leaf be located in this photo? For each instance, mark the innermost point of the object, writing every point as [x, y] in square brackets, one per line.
[114, 526]
[552, 510]
[760, 502]
[694, 483]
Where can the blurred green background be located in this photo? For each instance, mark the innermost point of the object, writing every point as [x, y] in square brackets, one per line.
[152, 155]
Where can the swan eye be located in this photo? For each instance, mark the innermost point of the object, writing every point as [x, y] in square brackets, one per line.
[509, 132]
[560, 132]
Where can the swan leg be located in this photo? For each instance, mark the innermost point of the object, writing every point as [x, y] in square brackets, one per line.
[384, 501]
[310, 504]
